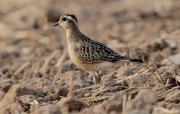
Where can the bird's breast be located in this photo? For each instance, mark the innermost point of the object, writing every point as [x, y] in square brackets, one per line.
[73, 54]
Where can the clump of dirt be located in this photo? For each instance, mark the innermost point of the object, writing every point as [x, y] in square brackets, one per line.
[71, 104]
[41, 87]
[112, 105]
[49, 109]
[142, 103]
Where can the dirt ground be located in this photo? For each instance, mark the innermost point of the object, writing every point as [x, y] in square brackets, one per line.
[37, 76]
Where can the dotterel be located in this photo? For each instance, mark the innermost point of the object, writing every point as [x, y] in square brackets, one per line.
[88, 54]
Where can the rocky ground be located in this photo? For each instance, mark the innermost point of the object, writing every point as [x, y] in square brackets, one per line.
[37, 76]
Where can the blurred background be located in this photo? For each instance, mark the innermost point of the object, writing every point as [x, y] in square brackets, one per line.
[31, 47]
[24, 25]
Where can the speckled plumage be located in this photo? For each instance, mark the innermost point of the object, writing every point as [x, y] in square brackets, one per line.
[92, 52]
[86, 53]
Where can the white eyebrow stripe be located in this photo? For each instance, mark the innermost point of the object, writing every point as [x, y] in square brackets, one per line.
[70, 18]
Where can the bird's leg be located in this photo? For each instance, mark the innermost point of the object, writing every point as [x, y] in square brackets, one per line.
[96, 78]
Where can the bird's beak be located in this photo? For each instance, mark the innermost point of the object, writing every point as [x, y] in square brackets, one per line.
[56, 24]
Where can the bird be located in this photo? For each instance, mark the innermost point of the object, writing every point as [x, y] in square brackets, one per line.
[88, 54]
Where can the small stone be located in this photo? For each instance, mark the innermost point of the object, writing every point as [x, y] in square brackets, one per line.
[5, 87]
[71, 104]
[173, 58]
[87, 95]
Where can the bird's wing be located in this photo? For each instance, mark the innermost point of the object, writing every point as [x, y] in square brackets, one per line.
[92, 52]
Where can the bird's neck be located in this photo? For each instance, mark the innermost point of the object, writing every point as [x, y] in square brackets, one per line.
[72, 34]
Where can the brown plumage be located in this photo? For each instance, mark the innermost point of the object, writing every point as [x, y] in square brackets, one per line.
[86, 53]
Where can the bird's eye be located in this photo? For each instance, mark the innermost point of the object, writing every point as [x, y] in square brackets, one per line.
[64, 19]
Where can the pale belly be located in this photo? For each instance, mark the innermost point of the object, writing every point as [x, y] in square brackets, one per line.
[98, 66]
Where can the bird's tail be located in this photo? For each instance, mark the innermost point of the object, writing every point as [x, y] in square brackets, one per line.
[126, 59]
[136, 60]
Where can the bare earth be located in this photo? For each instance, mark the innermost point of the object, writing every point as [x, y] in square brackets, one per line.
[37, 76]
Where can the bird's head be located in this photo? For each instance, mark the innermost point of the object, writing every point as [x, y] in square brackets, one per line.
[67, 21]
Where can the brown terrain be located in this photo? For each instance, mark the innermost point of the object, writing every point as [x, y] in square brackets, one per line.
[37, 76]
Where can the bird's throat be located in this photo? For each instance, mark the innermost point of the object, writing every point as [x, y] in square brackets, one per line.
[72, 34]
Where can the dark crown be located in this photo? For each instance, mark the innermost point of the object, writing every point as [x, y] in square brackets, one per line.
[73, 16]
